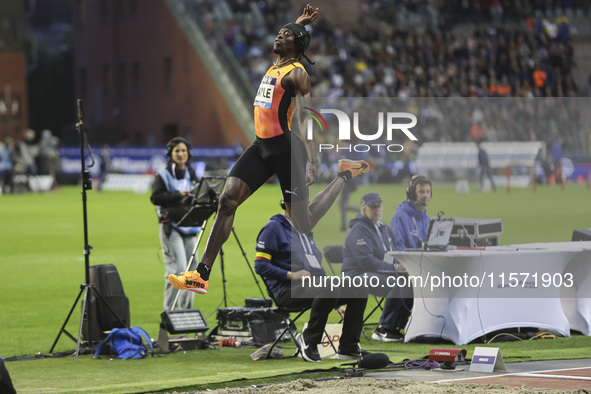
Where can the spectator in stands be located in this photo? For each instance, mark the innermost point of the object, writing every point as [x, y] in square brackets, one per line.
[285, 256]
[477, 132]
[172, 185]
[366, 245]
[484, 167]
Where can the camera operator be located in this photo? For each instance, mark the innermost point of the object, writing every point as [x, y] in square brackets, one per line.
[170, 191]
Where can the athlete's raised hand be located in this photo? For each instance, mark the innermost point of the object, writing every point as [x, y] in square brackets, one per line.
[308, 16]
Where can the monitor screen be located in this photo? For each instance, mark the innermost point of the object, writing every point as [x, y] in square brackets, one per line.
[439, 232]
[209, 189]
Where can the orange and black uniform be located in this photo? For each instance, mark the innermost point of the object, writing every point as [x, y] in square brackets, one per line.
[276, 149]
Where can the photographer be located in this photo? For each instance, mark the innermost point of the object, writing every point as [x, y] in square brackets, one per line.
[171, 188]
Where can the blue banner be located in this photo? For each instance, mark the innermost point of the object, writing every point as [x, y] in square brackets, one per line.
[138, 160]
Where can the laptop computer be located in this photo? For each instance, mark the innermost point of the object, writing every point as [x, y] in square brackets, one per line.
[439, 234]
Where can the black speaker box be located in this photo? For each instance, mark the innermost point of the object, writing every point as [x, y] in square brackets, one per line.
[98, 318]
[583, 234]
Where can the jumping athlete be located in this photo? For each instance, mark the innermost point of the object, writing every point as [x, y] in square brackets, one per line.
[278, 150]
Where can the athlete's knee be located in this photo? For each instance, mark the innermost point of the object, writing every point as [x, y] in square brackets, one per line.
[228, 204]
[234, 194]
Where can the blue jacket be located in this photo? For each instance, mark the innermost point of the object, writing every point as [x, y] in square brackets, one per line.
[409, 225]
[365, 249]
[281, 248]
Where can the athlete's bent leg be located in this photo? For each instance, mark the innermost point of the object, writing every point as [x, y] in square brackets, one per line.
[235, 193]
[306, 214]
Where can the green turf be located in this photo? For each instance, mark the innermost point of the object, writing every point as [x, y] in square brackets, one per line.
[42, 267]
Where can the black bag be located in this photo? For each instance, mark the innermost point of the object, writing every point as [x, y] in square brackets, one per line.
[264, 325]
[174, 213]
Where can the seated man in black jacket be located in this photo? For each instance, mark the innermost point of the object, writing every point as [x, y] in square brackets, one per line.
[366, 244]
[285, 256]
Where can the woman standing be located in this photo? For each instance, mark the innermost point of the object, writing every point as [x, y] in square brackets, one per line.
[172, 185]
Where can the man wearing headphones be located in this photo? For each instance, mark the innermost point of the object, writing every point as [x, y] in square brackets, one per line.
[279, 149]
[171, 185]
[410, 222]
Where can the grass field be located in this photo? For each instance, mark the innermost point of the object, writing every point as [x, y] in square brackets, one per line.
[42, 267]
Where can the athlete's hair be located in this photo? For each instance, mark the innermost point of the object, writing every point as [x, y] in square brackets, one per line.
[302, 39]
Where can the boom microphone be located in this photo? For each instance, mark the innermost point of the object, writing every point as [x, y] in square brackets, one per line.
[371, 361]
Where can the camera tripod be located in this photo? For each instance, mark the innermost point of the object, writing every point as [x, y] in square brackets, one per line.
[86, 288]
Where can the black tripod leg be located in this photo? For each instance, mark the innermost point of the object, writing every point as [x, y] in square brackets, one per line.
[223, 277]
[248, 263]
[84, 299]
[63, 329]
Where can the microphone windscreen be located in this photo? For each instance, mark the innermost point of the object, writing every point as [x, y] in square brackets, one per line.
[374, 361]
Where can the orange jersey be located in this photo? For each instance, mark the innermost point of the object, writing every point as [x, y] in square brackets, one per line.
[272, 106]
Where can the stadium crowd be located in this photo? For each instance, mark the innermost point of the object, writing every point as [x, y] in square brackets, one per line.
[436, 58]
[375, 57]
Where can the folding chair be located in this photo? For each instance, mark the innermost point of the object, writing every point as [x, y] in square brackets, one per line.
[334, 255]
[285, 314]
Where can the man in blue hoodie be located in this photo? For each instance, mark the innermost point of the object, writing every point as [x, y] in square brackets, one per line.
[285, 256]
[366, 244]
[410, 222]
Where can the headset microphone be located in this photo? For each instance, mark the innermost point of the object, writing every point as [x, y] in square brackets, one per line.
[371, 361]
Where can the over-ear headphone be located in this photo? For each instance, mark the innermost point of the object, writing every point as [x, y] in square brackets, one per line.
[282, 203]
[411, 190]
[174, 142]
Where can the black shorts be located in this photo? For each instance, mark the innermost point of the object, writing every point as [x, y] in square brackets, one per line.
[284, 155]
